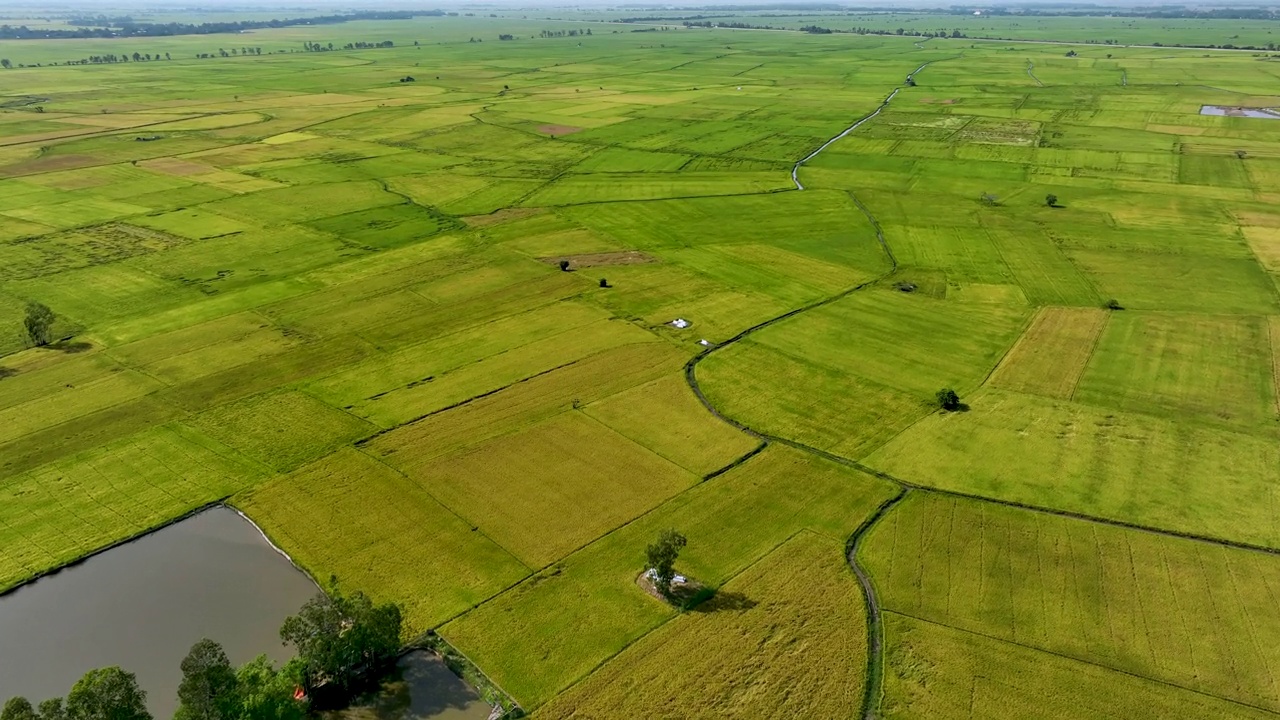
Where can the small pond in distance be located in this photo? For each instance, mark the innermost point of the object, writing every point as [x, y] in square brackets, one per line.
[1229, 111]
[141, 606]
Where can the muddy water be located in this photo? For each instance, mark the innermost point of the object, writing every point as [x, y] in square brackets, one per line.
[143, 604]
[421, 688]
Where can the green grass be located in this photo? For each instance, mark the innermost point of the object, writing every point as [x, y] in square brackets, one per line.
[283, 430]
[1123, 466]
[1187, 366]
[334, 295]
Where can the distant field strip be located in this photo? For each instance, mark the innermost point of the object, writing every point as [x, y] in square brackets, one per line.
[1050, 356]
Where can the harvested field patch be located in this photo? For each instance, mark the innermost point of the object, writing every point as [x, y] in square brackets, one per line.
[1050, 356]
[500, 216]
[666, 417]
[1265, 244]
[351, 516]
[936, 671]
[787, 637]
[558, 130]
[54, 514]
[177, 166]
[526, 403]
[621, 257]
[570, 618]
[282, 430]
[1174, 610]
[1215, 367]
[546, 490]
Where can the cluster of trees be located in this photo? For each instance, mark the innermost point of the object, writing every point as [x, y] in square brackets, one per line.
[100, 59]
[506, 37]
[136, 29]
[361, 45]
[563, 33]
[344, 643]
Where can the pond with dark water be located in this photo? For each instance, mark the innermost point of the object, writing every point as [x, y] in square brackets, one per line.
[421, 687]
[143, 604]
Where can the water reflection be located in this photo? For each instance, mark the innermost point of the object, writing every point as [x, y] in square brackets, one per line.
[422, 687]
[143, 604]
[1229, 111]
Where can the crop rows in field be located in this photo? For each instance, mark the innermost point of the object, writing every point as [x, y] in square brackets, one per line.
[1185, 612]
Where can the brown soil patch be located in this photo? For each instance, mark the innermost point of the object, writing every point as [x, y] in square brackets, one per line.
[499, 216]
[1265, 243]
[174, 166]
[49, 164]
[1275, 357]
[558, 130]
[621, 257]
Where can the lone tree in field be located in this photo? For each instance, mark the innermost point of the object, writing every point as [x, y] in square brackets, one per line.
[1242, 154]
[564, 266]
[343, 639]
[209, 690]
[107, 694]
[38, 321]
[988, 199]
[1112, 304]
[948, 399]
[1051, 200]
[662, 556]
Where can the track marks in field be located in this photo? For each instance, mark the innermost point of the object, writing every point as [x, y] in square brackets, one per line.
[1052, 354]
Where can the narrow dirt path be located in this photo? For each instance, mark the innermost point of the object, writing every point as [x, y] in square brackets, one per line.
[1031, 73]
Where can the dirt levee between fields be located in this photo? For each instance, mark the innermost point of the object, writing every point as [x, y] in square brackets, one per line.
[558, 130]
[621, 257]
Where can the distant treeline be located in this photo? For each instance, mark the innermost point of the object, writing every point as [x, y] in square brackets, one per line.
[118, 27]
[1162, 12]
[818, 30]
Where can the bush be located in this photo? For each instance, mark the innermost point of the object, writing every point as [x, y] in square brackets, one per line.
[948, 399]
[1112, 304]
[1051, 200]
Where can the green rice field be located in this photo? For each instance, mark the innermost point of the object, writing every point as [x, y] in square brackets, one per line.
[467, 322]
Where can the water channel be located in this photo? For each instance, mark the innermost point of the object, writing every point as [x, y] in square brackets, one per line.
[141, 605]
